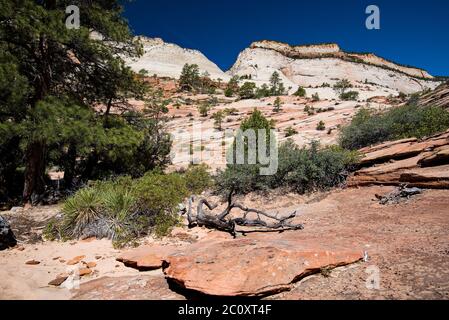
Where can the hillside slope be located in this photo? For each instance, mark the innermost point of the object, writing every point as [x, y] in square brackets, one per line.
[312, 66]
[167, 59]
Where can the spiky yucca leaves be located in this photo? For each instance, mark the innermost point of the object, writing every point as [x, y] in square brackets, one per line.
[122, 209]
[81, 210]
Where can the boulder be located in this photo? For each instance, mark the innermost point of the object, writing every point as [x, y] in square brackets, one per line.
[439, 157]
[126, 288]
[145, 258]
[7, 238]
[252, 267]
[75, 260]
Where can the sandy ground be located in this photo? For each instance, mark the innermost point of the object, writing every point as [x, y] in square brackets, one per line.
[407, 245]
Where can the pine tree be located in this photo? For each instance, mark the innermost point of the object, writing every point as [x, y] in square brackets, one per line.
[65, 73]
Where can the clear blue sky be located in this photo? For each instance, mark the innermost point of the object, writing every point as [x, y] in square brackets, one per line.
[412, 32]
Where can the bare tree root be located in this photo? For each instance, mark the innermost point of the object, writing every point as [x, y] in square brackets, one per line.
[220, 222]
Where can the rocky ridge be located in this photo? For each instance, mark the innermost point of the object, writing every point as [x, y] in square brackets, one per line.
[315, 65]
[167, 60]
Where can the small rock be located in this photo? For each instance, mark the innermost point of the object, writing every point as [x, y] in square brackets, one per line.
[98, 257]
[84, 272]
[58, 281]
[62, 260]
[87, 240]
[91, 264]
[32, 262]
[75, 260]
[20, 248]
[56, 258]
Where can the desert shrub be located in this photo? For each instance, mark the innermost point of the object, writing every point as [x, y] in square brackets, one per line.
[321, 126]
[315, 97]
[263, 91]
[301, 92]
[300, 169]
[198, 179]
[349, 96]
[232, 87]
[290, 132]
[369, 127]
[230, 111]
[204, 109]
[312, 168]
[218, 119]
[122, 209]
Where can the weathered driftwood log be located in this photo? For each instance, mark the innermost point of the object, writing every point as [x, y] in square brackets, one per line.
[223, 223]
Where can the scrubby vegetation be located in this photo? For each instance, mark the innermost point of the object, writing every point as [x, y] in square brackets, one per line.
[124, 209]
[350, 96]
[73, 115]
[290, 132]
[191, 80]
[247, 90]
[300, 169]
[277, 105]
[301, 92]
[369, 127]
[341, 88]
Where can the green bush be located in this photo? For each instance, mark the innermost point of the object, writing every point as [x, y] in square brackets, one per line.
[301, 92]
[299, 169]
[349, 96]
[315, 97]
[122, 209]
[290, 132]
[198, 179]
[369, 127]
[321, 126]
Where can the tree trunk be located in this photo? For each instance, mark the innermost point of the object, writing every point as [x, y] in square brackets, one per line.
[34, 172]
[69, 170]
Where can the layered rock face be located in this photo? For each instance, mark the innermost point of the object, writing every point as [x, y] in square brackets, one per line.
[438, 98]
[315, 65]
[423, 164]
[167, 59]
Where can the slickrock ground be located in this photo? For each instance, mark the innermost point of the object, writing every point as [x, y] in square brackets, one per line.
[186, 124]
[408, 243]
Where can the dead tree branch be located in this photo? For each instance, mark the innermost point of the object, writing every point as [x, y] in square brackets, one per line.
[220, 222]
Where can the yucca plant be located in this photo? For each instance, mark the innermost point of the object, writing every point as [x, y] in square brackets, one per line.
[80, 210]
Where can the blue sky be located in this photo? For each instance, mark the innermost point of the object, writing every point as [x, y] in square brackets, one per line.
[412, 32]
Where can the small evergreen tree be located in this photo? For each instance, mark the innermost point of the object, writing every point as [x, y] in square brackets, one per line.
[218, 119]
[204, 109]
[277, 87]
[341, 86]
[277, 105]
[190, 78]
[301, 92]
[247, 90]
[232, 87]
